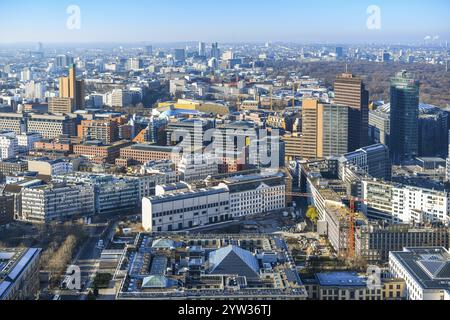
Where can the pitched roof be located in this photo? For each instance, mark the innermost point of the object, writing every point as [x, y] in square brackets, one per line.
[233, 260]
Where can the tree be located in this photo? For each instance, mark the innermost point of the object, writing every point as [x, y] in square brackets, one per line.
[312, 215]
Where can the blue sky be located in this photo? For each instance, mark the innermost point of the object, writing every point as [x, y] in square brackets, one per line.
[224, 20]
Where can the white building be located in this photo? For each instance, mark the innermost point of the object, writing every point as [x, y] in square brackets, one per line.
[26, 141]
[197, 167]
[57, 202]
[185, 210]
[8, 145]
[50, 167]
[426, 272]
[256, 194]
[404, 204]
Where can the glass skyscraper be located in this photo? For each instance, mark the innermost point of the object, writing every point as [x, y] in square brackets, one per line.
[404, 138]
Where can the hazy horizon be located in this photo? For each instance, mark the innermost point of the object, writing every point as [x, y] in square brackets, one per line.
[234, 21]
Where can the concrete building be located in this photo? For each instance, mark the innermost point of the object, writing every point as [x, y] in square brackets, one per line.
[57, 202]
[58, 105]
[12, 122]
[51, 126]
[375, 240]
[19, 273]
[185, 210]
[27, 141]
[373, 160]
[256, 194]
[195, 167]
[425, 270]
[404, 204]
[49, 167]
[9, 147]
[379, 127]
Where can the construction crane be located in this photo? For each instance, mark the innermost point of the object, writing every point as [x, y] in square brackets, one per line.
[351, 218]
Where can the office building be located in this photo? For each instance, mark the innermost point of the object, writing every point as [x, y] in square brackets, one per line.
[121, 98]
[202, 49]
[180, 55]
[379, 127]
[404, 138]
[374, 240]
[57, 202]
[106, 130]
[98, 152]
[12, 122]
[373, 160]
[26, 141]
[52, 126]
[13, 166]
[426, 272]
[70, 87]
[351, 286]
[197, 167]
[336, 124]
[61, 105]
[183, 210]
[256, 194]
[143, 153]
[404, 203]
[215, 51]
[351, 91]
[19, 273]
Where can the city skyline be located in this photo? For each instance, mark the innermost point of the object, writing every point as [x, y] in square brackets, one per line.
[47, 21]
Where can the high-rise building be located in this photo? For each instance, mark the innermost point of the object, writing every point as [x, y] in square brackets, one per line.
[149, 50]
[70, 87]
[325, 129]
[134, 64]
[180, 55]
[312, 126]
[215, 51]
[201, 49]
[404, 137]
[335, 132]
[351, 91]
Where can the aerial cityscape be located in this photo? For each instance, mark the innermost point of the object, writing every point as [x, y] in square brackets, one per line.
[203, 151]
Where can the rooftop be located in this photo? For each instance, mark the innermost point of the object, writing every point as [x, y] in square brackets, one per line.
[430, 267]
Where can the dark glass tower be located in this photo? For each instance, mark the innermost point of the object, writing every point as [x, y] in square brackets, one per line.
[404, 138]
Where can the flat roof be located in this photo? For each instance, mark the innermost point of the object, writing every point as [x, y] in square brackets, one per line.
[341, 279]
